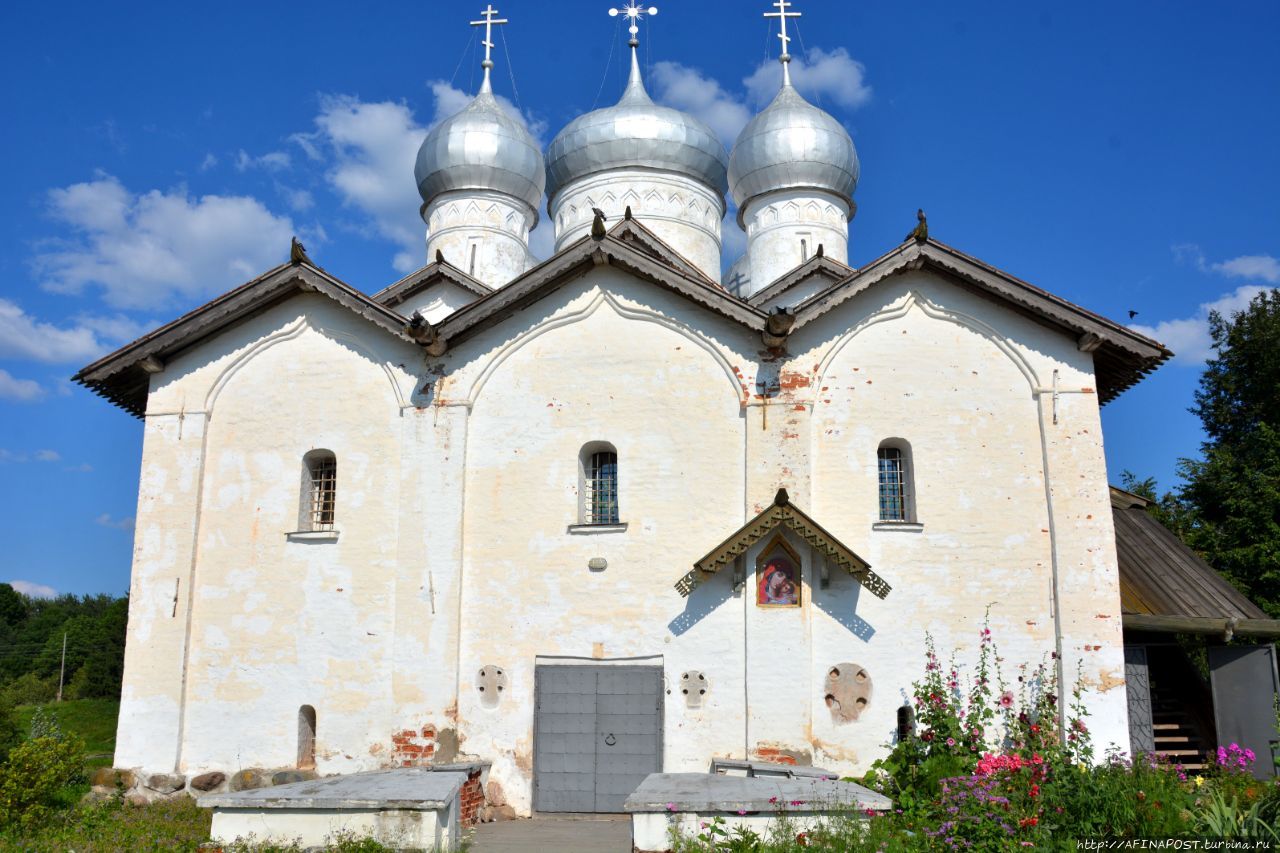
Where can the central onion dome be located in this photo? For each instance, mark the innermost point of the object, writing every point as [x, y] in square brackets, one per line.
[481, 148]
[792, 144]
[636, 133]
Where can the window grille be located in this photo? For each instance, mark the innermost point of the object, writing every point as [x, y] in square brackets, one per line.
[322, 473]
[893, 485]
[601, 498]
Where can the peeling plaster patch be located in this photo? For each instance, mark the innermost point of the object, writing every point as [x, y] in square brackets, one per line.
[779, 754]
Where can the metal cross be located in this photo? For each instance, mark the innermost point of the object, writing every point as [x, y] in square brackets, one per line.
[635, 13]
[782, 14]
[488, 23]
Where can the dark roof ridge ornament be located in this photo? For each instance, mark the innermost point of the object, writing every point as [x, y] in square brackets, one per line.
[781, 499]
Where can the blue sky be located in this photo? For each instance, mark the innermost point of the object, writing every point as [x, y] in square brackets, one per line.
[1121, 155]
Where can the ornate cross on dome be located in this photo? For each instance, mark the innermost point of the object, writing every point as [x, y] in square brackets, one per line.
[782, 14]
[635, 13]
[488, 23]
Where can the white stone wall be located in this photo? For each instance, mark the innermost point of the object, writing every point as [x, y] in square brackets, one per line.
[458, 488]
[484, 234]
[684, 213]
[785, 228]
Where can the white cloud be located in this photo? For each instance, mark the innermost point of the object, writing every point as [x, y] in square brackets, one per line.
[371, 148]
[19, 390]
[687, 89]
[105, 520]
[1262, 267]
[833, 75]
[23, 336]
[1189, 337]
[82, 468]
[35, 590]
[157, 248]
[298, 200]
[38, 456]
[208, 162]
[272, 161]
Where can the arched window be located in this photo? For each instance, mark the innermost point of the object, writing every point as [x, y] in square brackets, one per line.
[306, 737]
[906, 723]
[894, 464]
[598, 465]
[319, 491]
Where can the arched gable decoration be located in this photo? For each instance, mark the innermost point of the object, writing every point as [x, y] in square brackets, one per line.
[782, 513]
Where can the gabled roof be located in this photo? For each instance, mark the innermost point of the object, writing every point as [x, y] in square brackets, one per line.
[1160, 576]
[627, 245]
[819, 266]
[782, 512]
[432, 274]
[123, 377]
[1121, 355]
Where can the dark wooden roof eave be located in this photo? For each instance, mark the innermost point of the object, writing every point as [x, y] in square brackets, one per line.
[817, 266]
[575, 260]
[421, 279]
[1121, 356]
[122, 378]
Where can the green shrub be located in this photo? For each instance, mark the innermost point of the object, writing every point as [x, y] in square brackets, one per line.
[35, 779]
[30, 689]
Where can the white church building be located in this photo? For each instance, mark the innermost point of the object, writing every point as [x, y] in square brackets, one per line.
[612, 512]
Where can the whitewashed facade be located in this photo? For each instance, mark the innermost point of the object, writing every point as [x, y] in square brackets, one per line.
[457, 547]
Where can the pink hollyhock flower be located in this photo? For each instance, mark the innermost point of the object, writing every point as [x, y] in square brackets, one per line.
[1006, 699]
[951, 741]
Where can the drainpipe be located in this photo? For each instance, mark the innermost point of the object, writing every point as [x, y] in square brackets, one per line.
[1059, 669]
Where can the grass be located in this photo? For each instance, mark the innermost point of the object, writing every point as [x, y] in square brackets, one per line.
[177, 824]
[92, 719]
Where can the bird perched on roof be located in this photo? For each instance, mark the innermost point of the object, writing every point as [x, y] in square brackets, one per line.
[597, 224]
[921, 232]
[440, 257]
[298, 253]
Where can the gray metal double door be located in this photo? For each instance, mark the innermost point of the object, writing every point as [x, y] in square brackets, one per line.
[597, 733]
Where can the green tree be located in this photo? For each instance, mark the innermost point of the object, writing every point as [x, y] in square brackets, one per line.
[1232, 496]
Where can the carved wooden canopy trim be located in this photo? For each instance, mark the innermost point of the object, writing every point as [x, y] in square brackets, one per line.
[786, 514]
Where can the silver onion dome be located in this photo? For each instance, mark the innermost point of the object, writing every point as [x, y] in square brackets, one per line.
[792, 144]
[481, 148]
[633, 133]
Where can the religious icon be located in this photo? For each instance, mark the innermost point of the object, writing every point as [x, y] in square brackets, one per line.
[778, 576]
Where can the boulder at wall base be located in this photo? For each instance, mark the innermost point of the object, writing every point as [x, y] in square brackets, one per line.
[492, 814]
[166, 783]
[285, 777]
[208, 781]
[110, 777]
[248, 780]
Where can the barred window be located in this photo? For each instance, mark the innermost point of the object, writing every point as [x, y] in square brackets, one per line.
[319, 490]
[895, 482]
[599, 484]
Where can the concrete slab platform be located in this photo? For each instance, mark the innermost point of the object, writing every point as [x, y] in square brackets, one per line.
[405, 788]
[707, 793]
[409, 807]
[683, 801]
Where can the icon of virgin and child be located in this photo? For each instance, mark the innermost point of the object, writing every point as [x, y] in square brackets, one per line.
[778, 583]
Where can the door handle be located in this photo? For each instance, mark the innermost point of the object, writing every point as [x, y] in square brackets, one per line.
[610, 740]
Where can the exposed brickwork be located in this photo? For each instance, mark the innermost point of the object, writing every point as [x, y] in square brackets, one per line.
[774, 755]
[472, 797]
[413, 747]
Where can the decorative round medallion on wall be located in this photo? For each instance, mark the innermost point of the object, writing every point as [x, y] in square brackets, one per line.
[848, 692]
[492, 683]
